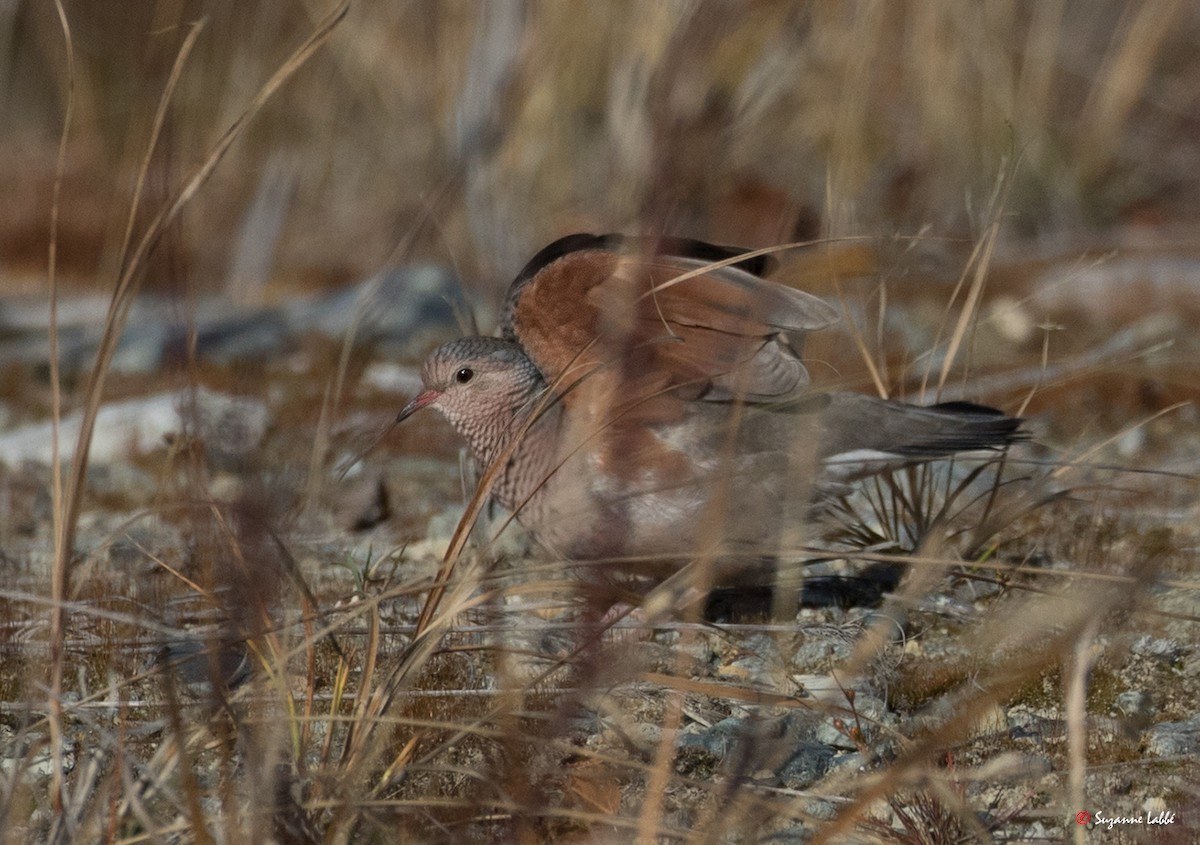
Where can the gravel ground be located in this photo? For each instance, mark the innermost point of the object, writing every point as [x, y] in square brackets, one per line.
[944, 701]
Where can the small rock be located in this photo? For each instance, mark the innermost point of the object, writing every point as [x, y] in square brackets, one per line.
[403, 308]
[1136, 707]
[819, 651]
[992, 721]
[1011, 319]
[717, 740]
[749, 669]
[393, 378]
[1154, 805]
[194, 665]
[1132, 442]
[1038, 832]
[1166, 650]
[1174, 739]
[856, 760]
[809, 763]
[141, 542]
[120, 479]
[231, 428]
[1191, 666]
[363, 502]
[784, 746]
[35, 762]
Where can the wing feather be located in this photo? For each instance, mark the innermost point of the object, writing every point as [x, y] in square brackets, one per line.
[661, 322]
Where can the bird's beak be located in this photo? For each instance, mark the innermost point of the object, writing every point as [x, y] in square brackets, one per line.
[418, 402]
[425, 397]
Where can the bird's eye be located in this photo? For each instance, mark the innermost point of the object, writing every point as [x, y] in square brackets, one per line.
[464, 375]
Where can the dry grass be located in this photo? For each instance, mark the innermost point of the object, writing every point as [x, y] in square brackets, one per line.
[488, 701]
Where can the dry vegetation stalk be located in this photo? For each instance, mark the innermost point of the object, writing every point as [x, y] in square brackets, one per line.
[979, 262]
[68, 498]
[58, 583]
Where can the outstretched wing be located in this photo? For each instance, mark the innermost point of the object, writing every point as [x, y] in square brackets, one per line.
[655, 319]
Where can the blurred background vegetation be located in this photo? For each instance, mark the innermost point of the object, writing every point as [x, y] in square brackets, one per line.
[506, 124]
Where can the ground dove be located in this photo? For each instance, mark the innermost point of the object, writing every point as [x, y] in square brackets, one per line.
[650, 406]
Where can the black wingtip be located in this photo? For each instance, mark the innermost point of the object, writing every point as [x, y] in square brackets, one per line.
[759, 265]
[979, 428]
[563, 246]
[683, 247]
[969, 408]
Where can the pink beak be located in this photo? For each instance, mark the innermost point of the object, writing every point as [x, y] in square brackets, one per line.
[425, 397]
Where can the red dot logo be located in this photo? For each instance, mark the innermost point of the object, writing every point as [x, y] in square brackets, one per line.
[1083, 817]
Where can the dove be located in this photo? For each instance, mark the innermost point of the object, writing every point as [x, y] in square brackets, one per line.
[648, 401]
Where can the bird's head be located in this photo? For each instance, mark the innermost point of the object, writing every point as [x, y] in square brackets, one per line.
[480, 384]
